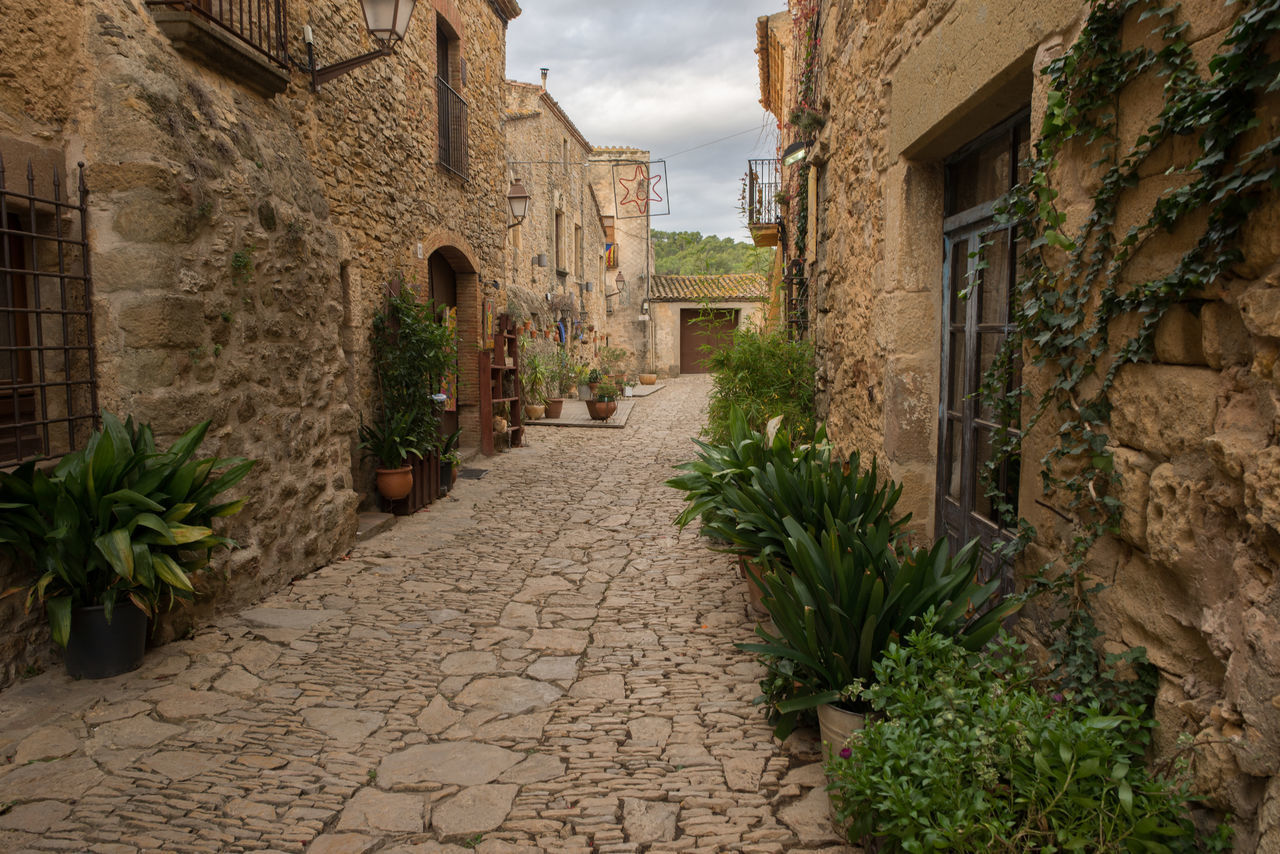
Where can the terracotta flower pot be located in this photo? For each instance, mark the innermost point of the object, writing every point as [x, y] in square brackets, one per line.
[555, 405]
[534, 411]
[601, 410]
[394, 484]
[648, 379]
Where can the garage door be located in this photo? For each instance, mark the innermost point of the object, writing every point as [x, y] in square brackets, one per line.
[702, 332]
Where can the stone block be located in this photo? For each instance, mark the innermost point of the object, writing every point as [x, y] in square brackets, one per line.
[1192, 524]
[1134, 471]
[1260, 309]
[910, 410]
[1262, 489]
[149, 216]
[1179, 337]
[1163, 409]
[1226, 340]
[169, 322]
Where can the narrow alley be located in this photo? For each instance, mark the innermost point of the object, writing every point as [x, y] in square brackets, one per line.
[540, 663]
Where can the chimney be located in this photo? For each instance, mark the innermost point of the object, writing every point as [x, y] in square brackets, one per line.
[544, 78]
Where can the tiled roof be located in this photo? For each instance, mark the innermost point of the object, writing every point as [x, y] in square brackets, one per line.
[732, 287]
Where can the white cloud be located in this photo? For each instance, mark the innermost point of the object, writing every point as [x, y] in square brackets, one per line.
[662, 76]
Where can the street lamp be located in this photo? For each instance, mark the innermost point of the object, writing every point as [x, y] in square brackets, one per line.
[518, 200]
[387, 22]
[795, 152]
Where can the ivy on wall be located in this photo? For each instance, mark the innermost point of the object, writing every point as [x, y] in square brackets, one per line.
[1077, 278]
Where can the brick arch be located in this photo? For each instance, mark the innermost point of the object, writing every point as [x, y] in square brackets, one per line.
[454, 247]
[460, 256]
[448, 10]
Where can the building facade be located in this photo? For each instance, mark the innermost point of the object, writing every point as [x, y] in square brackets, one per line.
[242, 230]
[916, 117]
[629, 251]
[693, 315]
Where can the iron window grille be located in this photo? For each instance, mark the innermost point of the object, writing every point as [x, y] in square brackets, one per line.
[261, 24]
[453, 128]
[48, 393]
[764, 182]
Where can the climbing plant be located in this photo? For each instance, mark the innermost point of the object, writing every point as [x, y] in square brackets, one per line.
[1078, 275]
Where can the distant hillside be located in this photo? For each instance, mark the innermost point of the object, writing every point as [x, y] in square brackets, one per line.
[688, 253]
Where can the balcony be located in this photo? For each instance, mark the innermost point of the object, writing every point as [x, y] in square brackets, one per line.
[764, 182]
[243, 39]
[453, 129]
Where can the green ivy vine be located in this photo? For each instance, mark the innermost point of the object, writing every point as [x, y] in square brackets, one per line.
[1077, 279]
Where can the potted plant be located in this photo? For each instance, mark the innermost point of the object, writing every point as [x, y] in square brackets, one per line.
[449, 460]
[114, 530]
[533, 380]
[648, 379]
[594, 378]
[562, 375]
[611, 359]
[391, 441]
[604, 402]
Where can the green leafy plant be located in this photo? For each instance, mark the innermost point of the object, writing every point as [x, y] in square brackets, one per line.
[763, 373]
[118, 519]
[449, 447]
[843, 595]
[391, 440]
[610, 359]
[606, 390]
[413, 351]
[533, 376]
[562, 373]
[970, 752]
[594, 375]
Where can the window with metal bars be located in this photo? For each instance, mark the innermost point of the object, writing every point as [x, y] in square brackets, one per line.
[48, 395]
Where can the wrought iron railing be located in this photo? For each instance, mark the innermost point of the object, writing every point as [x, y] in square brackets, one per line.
[764, 182]
[261, 24]
[453, 128]
[48, 396]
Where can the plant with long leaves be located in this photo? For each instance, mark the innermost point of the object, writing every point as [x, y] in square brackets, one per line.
[844, 593]
[118, 520]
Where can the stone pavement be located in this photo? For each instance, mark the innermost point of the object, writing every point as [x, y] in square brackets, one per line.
[540, 663]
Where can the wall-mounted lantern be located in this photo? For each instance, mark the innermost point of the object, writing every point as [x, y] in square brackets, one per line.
[619, 282]
[387, 22]
[518, 201]
[795, 152]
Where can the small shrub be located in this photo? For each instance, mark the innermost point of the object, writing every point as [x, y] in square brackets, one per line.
[972, 753]
[764, 374]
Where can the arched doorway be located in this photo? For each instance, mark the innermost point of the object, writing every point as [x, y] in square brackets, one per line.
[454, 285]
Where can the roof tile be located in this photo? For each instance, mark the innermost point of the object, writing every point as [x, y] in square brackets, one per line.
[732, 287]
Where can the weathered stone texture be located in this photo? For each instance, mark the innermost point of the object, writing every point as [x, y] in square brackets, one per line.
[240, 243]
[1192, 572]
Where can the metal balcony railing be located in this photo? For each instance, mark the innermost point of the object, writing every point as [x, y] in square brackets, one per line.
[261, 24]
[453, 129]
[764, 181]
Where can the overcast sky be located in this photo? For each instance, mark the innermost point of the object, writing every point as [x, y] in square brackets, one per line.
[660, 75]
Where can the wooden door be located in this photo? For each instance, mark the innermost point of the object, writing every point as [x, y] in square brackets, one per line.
[702, 332]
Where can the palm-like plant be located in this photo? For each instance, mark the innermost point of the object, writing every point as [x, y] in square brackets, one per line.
[118, 520]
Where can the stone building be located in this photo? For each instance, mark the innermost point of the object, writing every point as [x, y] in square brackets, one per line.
[241, 232]
[629, 256]
[556, 256]
[692, 315]
[921, 113]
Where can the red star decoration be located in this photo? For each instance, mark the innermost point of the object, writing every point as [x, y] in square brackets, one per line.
[640, 189]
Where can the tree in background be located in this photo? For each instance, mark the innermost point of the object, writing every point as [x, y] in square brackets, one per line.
[688, 253]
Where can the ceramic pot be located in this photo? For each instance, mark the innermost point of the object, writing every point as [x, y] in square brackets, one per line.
[648, 379]
[394, 484]
[836, 725]
[534, 411]
[750, 571]
[97, 649]
[601, 410]
[555, 405]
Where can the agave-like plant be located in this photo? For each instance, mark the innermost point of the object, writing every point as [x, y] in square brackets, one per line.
[843, 594]
[118, 520]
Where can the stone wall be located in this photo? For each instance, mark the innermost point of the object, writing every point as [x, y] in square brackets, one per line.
[1193, 571]
[241, 241]
[549, 154]
[635, 259]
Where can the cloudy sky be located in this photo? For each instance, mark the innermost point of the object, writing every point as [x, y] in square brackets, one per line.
[661, 75]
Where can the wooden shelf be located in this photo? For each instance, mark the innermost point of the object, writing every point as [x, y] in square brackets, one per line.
[500, 370]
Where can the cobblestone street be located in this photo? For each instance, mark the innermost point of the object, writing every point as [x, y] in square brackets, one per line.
[541, 662]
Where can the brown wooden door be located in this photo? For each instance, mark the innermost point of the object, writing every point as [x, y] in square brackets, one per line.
[702, 332]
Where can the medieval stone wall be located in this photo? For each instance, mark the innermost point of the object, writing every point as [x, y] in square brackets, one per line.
[241, 242]
[1192, 574]
[550, 157]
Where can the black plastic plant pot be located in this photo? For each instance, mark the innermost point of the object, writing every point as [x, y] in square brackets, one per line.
[97, 649]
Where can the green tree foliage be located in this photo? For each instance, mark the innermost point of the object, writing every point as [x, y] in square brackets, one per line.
[688, 253]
